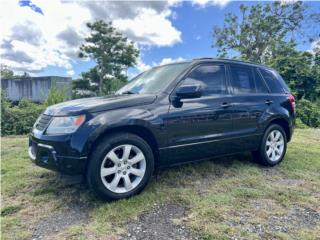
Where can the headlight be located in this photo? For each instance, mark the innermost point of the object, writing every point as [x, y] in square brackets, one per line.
[65, 125]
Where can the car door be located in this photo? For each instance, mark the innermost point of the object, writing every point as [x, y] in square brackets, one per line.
[250, 100]
[198, 127]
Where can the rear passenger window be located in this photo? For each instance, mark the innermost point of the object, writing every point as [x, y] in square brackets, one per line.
[261, 86]
[242, 79]
[272, 81]
[212, 79]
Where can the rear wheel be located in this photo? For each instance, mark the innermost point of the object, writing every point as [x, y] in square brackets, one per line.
[120, 166]
[273, 146]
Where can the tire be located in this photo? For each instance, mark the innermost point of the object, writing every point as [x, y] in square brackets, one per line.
[272, 149]
[113, 160]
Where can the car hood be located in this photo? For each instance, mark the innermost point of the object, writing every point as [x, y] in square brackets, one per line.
[98, 104]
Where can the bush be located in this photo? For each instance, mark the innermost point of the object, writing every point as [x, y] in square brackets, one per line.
[308, 113]
[55, 95]
[19, 119]
[300, 124]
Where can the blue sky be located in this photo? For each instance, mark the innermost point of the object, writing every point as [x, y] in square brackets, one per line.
[196, 26]
[183, 32]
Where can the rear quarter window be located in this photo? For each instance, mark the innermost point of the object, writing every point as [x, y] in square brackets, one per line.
[242, 79]
[261, 86]
[274, 81]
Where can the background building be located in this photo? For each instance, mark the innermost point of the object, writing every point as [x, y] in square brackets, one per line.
[34, 88]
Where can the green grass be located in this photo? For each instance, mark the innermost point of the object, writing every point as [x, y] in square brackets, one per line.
[219, 194]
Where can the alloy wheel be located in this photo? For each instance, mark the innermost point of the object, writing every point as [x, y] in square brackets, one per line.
[274, 145]
[123, 168]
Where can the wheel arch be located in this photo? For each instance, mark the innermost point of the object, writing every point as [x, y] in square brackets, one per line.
[138, 130]
[284, 124]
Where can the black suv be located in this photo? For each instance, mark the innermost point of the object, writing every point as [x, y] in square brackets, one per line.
[166, 116]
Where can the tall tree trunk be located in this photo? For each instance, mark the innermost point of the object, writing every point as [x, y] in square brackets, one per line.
[100, 84]
[100, 80]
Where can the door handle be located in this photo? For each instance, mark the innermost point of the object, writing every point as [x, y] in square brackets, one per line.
[268, 102]
[225, 105]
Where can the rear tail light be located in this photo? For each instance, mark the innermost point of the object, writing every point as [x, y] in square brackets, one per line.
[292, 102]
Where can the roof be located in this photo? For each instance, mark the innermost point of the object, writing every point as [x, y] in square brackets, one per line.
[222, 60]
[225, 60]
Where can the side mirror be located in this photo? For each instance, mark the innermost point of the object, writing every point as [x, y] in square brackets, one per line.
[189, 91]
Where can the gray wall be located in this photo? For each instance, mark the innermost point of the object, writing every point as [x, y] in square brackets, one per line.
[33, 88]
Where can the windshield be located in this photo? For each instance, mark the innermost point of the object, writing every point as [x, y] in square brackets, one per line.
[154, 80]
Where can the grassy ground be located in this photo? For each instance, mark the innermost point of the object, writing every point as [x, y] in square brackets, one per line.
[223, 198]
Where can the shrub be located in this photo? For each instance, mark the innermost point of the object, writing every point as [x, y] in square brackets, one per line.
[300, 124]
[55, 95]
[308, 112]
[19, 119]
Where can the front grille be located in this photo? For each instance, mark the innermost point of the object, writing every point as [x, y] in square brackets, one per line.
[43, 122]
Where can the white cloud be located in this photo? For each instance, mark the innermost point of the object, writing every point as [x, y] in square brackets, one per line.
[31, 42]
[41, 45]
[70, 73]
[150, 28]
[204, 3]
[315, 46]
[141, 66]
[171, 60]
[284, 2]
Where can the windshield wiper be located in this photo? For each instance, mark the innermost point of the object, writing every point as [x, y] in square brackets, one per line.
[128, 92]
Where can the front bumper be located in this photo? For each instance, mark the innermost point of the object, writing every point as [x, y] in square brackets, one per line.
[45, 154]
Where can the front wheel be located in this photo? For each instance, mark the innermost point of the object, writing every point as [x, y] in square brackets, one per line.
[273, 146]
[120, 166]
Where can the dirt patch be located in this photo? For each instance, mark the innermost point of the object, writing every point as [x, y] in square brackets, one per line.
[316, 194]
[59, 221]
[270, 173]
[298, 217]
[289, 182]
[158, 224]
[264, 204]
[274, 219]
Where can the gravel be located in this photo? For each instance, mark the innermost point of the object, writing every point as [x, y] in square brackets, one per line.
[158, 224]
[299, 217]
[59, 221]
[289, 182]
[291, 222]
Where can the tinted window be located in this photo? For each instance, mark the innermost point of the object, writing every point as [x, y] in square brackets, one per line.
[261, 86]
[282, 82]
[212, 79]
[242, 80]
[154, 80]
[272, 81]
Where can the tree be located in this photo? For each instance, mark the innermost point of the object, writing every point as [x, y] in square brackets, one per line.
[25, 75]
[265, 34]
[258, 30]
[301, 70]
[86, 85]
[113, 53]
[5, 72]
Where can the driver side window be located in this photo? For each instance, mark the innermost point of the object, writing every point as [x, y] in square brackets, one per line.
[211, 78]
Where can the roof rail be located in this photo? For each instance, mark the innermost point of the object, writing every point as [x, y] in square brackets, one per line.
[236, 60]
[203, 58]
[226, 59]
